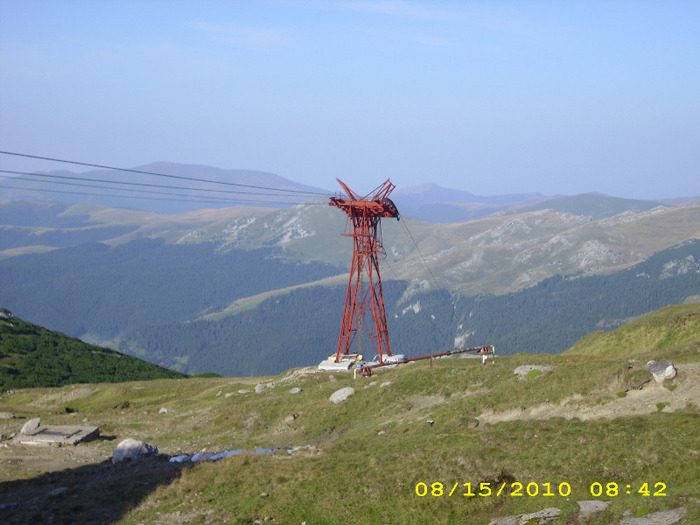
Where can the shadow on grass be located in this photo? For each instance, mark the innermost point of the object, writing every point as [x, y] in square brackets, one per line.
[96, 494]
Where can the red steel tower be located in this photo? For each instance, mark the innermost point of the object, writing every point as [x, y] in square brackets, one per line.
[364, 293]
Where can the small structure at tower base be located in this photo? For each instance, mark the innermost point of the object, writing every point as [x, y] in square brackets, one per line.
[346, 362]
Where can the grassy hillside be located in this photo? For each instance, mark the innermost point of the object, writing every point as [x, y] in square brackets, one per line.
[32, 356]
[580, 430]
[669, 328]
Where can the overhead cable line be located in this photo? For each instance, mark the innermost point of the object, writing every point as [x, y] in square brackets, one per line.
[142, 184]
[420, 255]
[204, 198]
[197, 199]
[181, 177]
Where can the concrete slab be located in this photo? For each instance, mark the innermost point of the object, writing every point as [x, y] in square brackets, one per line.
[332, 365]
[58, 435]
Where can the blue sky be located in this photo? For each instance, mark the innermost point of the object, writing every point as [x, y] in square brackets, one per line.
[491, 97]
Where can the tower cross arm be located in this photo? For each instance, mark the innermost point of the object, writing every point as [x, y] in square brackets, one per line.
[378, 205]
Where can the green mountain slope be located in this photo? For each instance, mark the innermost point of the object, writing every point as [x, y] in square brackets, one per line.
[452, 441]
[32, 356]
[546, 318]
[666, 329]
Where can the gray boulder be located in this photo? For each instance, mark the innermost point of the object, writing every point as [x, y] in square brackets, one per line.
[590, 507]
[133, 449]
[31, 426]
[342, 394]
[661, 370]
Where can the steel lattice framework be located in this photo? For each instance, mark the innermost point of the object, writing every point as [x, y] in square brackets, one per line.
[364, 294]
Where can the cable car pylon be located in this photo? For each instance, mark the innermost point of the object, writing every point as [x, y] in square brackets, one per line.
[364, 297]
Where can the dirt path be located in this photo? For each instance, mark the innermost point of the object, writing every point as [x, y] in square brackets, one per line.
[636, 402]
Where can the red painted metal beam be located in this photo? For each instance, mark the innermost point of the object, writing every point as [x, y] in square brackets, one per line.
[366, 370]
[364, 292]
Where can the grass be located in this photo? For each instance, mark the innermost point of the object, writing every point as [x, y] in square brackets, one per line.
[375, 458]
[667, 330]
[374, 449]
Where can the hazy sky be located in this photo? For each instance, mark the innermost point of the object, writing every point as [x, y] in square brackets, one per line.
[485, 96]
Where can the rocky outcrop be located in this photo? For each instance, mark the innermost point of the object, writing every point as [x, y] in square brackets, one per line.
[661, 370]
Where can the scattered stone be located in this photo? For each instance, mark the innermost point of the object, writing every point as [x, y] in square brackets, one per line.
[165, 410]
[385, 384]
[259, 388]
[430, 422]
[6, 415]
[665, 517]
[543, 517]
[342, 394]
[230, 394]
[241, 391]
[57, 492]
[264, 495]
[132, 449]
[661, 370]
[296, 390]
[590, 507]
[219, 393]
[31, 426]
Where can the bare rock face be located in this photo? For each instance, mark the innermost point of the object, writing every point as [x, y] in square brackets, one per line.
[341, 395]
[133, 449]
[661, 370]
[31, 426]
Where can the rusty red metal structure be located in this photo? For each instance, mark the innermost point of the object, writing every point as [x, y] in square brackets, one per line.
[364, 293]
[367, 370]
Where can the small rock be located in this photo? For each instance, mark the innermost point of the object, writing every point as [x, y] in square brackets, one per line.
[57, 491]
[242, 391]
[131, 449]
[385, 384]
[164, 410]
[590, 507]
[264, 495]
[6, 415]
[259, 388]
[296, 390]
[472, 423]
[544, 516]
[661, 370]
[219, 393]
[31, 426]
[342, 394]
